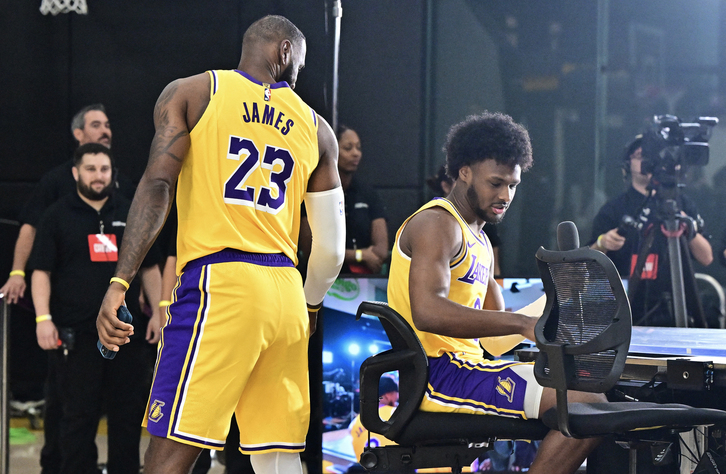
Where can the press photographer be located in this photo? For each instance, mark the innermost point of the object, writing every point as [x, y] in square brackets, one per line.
[652, 230]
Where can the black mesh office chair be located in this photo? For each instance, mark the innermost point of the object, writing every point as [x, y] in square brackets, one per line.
[583, 339]
[424, 439]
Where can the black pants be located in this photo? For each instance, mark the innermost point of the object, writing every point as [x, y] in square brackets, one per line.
[85, 383]
[50, 457]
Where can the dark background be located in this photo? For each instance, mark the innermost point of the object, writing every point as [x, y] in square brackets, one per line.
[408, 70]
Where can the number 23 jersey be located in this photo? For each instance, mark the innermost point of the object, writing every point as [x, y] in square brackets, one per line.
[244, 178]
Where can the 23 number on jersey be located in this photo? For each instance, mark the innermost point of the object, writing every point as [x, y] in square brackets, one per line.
[235, 190]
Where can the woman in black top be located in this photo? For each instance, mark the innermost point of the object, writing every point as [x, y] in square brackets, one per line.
[366, 230]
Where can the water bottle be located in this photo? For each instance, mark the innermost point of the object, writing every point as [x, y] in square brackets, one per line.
[123, 315]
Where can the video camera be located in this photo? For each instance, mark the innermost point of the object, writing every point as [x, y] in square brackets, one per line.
[671, 145]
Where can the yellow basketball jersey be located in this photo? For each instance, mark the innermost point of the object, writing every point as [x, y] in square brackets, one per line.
[244, 178]
[469, 280]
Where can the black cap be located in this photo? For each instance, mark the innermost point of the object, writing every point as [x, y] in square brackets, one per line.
[386, 385]
[632, 145]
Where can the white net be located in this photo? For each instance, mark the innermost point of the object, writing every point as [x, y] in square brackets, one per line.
[55, 7]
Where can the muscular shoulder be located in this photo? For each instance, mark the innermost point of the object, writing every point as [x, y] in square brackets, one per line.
[327, 143]
[432, 230]
[325, 176]
[196, 82]
[188, 95]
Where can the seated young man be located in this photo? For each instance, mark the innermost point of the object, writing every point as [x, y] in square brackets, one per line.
[441, 281]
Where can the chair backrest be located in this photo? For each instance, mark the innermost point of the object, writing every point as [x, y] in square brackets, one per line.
[584, 333]
[406, 356]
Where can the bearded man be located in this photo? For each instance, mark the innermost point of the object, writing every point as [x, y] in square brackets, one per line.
[74, 255]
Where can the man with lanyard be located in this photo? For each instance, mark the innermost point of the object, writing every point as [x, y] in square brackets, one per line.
[74, 255]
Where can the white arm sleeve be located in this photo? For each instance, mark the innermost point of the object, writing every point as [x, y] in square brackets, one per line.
[326, 214]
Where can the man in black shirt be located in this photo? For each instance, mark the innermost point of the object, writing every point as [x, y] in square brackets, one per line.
[74, 257]
[651, 305]
[89, 125]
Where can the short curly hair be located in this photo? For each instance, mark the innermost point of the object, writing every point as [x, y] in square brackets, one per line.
[487, 136]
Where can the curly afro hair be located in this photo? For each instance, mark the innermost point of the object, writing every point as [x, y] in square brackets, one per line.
[487, 136]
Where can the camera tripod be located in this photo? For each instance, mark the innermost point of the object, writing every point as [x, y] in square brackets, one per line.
[668, 220]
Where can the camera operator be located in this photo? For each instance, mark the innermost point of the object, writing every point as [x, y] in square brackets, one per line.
[619, 229]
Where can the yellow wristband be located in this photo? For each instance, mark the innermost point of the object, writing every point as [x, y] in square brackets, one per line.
[43, 317]
[599, 242]
[164, 303]
[121, 281]
[315, 308]
[359, 255]
[18, 273]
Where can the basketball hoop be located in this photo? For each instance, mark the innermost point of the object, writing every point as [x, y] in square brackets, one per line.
[55, 7]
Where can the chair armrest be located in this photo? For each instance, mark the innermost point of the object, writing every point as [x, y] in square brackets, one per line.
[370, 374]
[406, 356]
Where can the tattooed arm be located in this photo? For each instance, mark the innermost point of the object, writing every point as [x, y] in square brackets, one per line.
[178, 109]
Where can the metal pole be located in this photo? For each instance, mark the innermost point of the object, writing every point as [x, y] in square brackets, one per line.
[428, 164]
[632, 460]
[558, 153]
[337, 14]
[4, 419]
[601, 97]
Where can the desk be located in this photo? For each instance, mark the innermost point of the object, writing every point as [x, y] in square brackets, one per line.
[679, 341]
[681, 365]
[677, 357]
[665, 365]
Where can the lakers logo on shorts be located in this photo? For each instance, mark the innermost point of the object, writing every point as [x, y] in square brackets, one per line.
[506, 388]
[155, 413]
